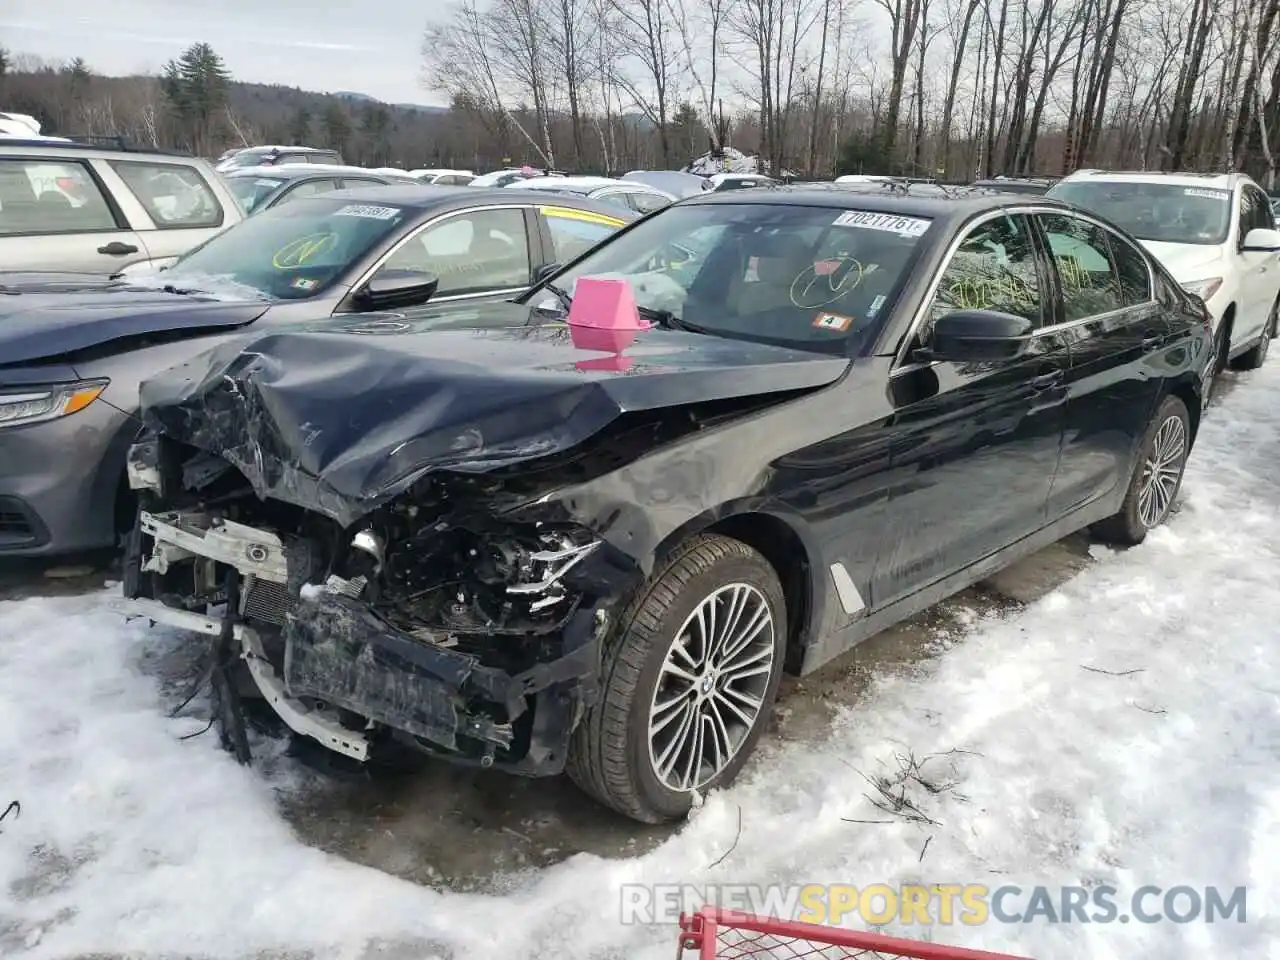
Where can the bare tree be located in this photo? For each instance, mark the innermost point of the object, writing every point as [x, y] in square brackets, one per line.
[648, 30]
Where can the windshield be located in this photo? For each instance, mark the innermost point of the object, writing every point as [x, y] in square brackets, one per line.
[1158, 212]
[251, 191]
[812, 278]
[289, 252]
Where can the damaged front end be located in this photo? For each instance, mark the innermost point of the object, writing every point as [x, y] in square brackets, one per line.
[433, 621]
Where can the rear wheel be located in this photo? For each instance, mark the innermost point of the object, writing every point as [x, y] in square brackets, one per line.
[1157, 477]
[688, 679]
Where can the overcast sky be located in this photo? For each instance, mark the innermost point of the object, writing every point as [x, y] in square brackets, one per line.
[323, 45]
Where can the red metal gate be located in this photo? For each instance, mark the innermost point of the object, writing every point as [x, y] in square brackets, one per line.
[715, 934]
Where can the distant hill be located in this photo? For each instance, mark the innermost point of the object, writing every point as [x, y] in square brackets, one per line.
[364, 98]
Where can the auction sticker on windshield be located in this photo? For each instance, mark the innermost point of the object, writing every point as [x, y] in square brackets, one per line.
[367, 212]
[905, 226]
[1207, 194]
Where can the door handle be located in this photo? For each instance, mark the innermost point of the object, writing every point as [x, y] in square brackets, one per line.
[1046, 380]
[117, 249]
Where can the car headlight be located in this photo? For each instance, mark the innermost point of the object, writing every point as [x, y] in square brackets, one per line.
[1204, 289]
[38, 404]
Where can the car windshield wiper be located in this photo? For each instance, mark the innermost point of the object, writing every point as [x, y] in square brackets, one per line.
[562, 295]
[181, 291]
[669, 321]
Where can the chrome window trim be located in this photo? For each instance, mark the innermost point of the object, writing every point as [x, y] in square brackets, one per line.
[900, 364]
[413, 235]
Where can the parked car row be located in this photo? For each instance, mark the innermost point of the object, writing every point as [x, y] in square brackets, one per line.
[391, 460]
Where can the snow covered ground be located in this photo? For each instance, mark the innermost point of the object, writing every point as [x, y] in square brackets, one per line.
[1123, 730]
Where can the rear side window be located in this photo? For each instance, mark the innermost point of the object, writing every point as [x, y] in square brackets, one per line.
[1132, 271]
[572, 235]
[174, 196]
[308, 188]
[51, 197]
[1090, 283]
[647, 202]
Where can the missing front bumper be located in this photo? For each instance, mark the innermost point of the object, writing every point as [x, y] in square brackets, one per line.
[296, 714]
[346, 678]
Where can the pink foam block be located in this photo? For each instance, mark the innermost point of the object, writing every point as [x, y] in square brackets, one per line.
[616, 363]
[605, 341]
[605, 305]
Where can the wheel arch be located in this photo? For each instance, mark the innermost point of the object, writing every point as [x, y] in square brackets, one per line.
[788, 545]
[1187, 389]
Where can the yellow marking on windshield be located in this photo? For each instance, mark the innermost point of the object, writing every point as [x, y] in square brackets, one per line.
[298, 252]
[582, 215]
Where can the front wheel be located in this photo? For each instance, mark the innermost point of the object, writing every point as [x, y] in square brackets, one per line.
[688, 679]
[1157, 477]
[1256, 355]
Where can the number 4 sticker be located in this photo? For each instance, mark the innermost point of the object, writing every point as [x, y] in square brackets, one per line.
[832, 321]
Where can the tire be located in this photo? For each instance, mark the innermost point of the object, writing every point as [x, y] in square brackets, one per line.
[1169, 429]
[613, 757]
[1256, 356]
[1223, 348]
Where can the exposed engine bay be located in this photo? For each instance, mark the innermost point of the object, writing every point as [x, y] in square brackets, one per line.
[430, 622]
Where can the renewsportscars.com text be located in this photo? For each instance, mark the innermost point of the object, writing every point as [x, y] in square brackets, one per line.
[945, 903]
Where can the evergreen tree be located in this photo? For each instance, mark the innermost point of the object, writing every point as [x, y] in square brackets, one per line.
[375, 124]
[337, 127]
[300, 127]
[195, 87]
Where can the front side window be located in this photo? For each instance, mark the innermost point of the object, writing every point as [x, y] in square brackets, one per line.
[1156, 212]
[175, 197]
[289, 252]
[1090, 283]
[993, 268]
[813, 278]
[470, 252]
[51, 197]
[1260, 211]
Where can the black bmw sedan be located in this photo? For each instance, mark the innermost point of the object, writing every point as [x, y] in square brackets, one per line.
[537, 545]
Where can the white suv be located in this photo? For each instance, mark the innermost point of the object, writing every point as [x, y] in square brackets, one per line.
[1215, 233]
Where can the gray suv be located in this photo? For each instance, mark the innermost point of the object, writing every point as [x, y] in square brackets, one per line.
[67, 206]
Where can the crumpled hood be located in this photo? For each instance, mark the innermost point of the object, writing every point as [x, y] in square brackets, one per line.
[340, 422]
[53, 315]
[1187, 262]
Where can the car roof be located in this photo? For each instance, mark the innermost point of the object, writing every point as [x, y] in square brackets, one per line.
[1224, 181]
[276, 148]
[428, 196]
[957, 205]
[287, 170]
[582, 184]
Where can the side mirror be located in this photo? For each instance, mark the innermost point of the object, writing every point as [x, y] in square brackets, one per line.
[546, 271]
[968, 336]
[1261, 240]
[388, 289]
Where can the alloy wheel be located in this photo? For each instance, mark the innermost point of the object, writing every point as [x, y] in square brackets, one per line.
[1162, 471]
[711, 688]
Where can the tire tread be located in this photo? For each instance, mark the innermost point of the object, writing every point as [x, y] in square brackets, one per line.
[598, 756]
